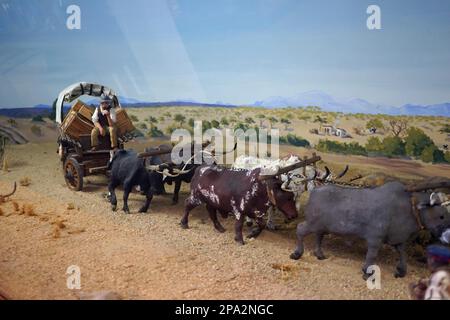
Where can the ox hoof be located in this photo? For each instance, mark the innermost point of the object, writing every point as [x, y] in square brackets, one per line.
[143, 210]
[127, 211]
[400, 273]
[295, 255]
[320, 256]
[220, 229]
[184, 225]
[240, 241]
[366, 275]
[113, 208]
[174, 203]
[249, 223]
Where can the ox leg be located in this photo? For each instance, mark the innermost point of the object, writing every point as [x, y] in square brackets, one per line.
[148, 200]
[402, 265]
[176, 191]
[213, 215]
[270, 224]
[248, 221]
[372, 252]
[190, 204]
[302, 231]
[113, 199]
[256, 231]
[318, 249]
[238, 230]
[126, 192]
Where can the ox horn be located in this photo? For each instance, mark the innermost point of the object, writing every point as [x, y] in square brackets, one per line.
[340, 175]
[178, 172]
[10, 194]
[326, 175]
[213, 151]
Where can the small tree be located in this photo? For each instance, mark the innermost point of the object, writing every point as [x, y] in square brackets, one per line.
[12, 122]
[261, 118]
[374, 144]
[432, 154]
[249, 120]
[272, 120]
[224, 122]
[180, 119]
[375, 123]
[416, 141]
[320, 120]
[398, 126]
[152, 121]
[215, 124]
[133, 118]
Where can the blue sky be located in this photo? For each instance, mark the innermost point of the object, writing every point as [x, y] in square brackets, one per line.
[226, 50]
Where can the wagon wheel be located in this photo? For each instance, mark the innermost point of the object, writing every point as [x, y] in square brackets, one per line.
[73, 174]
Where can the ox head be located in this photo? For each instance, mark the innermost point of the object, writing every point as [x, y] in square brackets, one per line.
[283, 200]
[434, 211]
[278, 193]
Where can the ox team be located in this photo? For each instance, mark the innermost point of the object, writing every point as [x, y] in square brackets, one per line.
[390, 214]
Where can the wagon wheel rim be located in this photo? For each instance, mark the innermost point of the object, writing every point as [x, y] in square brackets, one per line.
[72, 176]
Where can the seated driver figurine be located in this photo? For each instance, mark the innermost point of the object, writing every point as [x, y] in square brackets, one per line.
[104, 119]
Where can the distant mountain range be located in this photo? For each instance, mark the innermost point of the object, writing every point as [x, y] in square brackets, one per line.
[354, 105]
[310, 98]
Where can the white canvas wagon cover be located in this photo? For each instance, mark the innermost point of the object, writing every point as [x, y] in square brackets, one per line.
[79, 89]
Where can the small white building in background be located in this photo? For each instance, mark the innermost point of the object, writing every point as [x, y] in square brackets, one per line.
[340, 132]
[329, 130]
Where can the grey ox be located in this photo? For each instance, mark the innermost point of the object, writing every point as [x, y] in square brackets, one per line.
[390, 214]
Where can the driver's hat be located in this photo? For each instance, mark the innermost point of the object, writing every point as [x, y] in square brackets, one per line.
[105, 99]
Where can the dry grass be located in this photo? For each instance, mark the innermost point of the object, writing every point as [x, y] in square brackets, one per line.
[25, 181]
[16, 206]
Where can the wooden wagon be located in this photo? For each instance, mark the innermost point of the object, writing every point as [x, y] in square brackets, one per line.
[75, 129]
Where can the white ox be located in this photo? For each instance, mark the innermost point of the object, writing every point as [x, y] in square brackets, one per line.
[295, 181]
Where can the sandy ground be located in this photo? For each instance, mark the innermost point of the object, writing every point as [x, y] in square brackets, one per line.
[148, 256]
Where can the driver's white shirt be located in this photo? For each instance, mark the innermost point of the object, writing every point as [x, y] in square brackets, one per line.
[112, 113]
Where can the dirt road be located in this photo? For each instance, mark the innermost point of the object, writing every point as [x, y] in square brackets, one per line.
[150, 256]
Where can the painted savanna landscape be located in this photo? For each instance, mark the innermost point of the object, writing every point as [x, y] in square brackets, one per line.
[93, 205]
[149, 256]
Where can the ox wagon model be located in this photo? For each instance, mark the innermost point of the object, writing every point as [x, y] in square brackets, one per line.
[75, 131]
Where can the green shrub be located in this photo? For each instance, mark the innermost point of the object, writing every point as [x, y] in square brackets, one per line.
[432, 154]
[37, 118]
[343, 148]
[294, 140]
[154, 132]
[133, 118]
[447, 156]
[374, 144]
[393, 146]
[416, 141]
